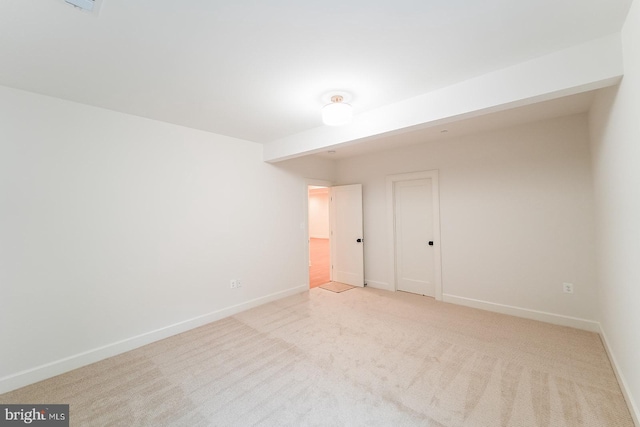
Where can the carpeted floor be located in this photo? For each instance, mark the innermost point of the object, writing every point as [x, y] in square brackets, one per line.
[359, 358]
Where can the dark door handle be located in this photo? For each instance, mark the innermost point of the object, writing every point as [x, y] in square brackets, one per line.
[430, 242]
[359, 241]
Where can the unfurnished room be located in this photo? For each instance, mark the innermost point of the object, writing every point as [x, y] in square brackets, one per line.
[336, 213]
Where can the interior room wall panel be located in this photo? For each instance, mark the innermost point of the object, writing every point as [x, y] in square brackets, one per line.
[116, 230]
[615, 135]
[516, 209]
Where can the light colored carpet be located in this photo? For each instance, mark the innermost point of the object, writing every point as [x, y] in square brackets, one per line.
[337, 287]
[359, 358]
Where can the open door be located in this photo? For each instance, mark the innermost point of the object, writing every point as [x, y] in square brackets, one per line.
[347, 241]
[319, 233]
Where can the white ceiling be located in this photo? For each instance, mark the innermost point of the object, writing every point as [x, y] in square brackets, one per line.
[261, 70]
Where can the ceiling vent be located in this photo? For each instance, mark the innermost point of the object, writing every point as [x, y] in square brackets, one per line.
[82, 4]
[90, 6]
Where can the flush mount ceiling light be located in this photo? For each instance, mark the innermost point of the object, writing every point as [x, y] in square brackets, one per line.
[337, 113]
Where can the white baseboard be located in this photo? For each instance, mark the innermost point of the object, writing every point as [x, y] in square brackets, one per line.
[378, 285]
[43, 372]
[543, 316]
[631, 404]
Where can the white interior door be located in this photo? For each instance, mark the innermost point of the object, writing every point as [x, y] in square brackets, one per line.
[347, 242]
[414, 236]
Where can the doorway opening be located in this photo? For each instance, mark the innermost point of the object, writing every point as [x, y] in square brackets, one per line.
[319, 236]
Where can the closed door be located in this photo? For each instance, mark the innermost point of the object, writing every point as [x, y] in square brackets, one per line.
[414, 236]
[347, 243]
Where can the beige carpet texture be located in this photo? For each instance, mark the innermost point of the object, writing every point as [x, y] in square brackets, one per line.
[360, 358]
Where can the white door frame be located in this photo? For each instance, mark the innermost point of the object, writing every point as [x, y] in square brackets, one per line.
[307, 183]
[391, 235]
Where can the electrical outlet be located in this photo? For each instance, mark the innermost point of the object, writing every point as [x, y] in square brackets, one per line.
[238, 283]
[234, 284]
[567, 288]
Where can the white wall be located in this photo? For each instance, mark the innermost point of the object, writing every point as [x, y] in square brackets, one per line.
[516, 216]
[319, 214]
[113, 227]
[615, 132]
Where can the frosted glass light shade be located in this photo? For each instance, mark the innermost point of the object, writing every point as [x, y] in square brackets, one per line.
[336, 114]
